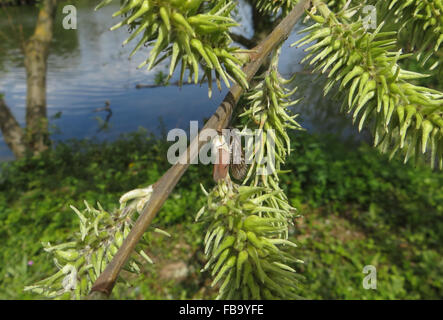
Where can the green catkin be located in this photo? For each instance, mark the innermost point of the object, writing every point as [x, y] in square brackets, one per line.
[185, 30]
[376, 88]
[81, 260]
[236, 264]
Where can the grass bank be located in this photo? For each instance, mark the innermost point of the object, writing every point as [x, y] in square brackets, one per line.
[358, 209]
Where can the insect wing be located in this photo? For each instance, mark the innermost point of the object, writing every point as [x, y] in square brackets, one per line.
[222, 165]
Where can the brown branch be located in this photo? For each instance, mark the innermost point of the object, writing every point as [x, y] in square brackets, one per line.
[164, 186]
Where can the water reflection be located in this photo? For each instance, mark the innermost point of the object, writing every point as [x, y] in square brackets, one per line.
[88, 66]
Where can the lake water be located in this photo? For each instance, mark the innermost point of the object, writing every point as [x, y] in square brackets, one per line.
[88, 66]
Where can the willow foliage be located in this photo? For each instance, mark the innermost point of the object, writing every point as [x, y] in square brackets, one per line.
[247, 236]
[247, 253]
[81, 260]
[364, 66]
[275, 6]
[248, 221]
[193, 33]
[423, 20]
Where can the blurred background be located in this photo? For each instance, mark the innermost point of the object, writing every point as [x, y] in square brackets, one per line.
[107, 125]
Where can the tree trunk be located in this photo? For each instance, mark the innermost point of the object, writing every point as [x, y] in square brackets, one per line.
[12, 132]
[36, 54]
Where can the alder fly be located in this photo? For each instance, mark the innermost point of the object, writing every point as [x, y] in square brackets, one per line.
[230, 157]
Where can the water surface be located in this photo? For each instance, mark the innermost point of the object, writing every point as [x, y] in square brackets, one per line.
[88, 66]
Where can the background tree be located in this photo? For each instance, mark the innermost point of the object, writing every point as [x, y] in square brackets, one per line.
[35, 137]
[248, 219]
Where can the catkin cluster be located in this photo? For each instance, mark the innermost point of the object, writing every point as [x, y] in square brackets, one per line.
[267, 109]
[193, 32]
[275, 6]
[81, 260]
[247, 255]
[336, 5]
[249, 224]
[364, 66]
[424, 20]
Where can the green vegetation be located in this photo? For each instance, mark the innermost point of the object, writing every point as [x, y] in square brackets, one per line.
[358, 209]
